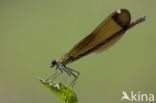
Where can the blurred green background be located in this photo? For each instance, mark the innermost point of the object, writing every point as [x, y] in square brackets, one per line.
[33, 32]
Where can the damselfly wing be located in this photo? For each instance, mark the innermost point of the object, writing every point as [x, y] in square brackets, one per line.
[106, 34]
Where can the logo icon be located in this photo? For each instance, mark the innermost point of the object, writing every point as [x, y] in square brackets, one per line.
[125, 96]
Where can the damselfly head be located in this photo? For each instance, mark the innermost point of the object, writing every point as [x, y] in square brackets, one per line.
[53, 63]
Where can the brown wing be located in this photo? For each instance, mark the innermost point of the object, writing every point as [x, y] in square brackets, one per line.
[106, 34]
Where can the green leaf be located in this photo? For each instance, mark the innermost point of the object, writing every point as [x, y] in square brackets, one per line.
[65, 93]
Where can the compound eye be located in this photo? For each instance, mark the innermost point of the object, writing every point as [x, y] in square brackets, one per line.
[54, 62]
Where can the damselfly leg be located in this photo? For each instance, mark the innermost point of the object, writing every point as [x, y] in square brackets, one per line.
[72, 72]
[55, 75]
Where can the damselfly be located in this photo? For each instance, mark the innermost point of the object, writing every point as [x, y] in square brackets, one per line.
[104, 36]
